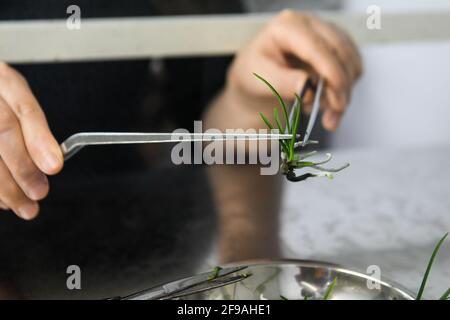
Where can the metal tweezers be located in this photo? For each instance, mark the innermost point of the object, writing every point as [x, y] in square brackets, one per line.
[76, 142]
[315, 108]
[192, 285]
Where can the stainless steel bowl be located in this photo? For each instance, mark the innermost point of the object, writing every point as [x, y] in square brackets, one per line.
[275, 280]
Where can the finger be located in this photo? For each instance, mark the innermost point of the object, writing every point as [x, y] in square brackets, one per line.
[15, 155]
[354, 51]
[345, 48]
[335, 102]
[338, 100]
[13, 197]
[295, 35]
[287, 81]
[308, 100]
[3, 206]
[339, 44]
[340, 92]
[39, 141]
[331, 119]
[324, 104]
[310, 94]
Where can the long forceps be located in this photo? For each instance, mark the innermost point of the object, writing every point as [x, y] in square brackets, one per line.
[76, 142]
[315, 108]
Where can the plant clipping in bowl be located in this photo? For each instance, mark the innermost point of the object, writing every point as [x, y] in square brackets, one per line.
[291, 159]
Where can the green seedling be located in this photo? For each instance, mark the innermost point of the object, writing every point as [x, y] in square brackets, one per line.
[291, 159]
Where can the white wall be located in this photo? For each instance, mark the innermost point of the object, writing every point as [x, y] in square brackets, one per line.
[397, 5]
[404, 96]
[402, 99]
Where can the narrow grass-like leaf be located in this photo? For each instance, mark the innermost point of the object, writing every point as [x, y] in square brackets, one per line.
[283, 144]
[266, 121]
[295, 126]
[291, 152]
[430, 264]
[446, 295]
[277, 119]
[283, 297]
[330, 289]
[277, 95]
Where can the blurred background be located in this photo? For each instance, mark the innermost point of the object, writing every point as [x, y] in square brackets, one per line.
[402, 99]
[393, 203]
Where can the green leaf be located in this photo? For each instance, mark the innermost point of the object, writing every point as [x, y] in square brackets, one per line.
[280, 99]
[283, 144]
[446, 295]
[267, 122]
[302, 164]
[295, 126]
[330, 289]
[283, 297]
[291, 153]
[277, 119]
[214, 273]
[430, 264]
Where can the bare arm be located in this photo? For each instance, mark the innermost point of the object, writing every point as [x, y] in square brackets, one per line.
[291, 49]
[248, 209]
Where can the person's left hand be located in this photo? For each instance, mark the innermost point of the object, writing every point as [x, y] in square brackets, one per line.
[291, 49]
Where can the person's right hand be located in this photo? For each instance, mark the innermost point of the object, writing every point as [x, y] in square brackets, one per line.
[28, 150]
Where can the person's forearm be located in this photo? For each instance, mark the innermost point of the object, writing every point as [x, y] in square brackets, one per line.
[231, 111]
[248, 212]
[247, 202]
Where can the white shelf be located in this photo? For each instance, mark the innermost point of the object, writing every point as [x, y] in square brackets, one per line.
[127, 38]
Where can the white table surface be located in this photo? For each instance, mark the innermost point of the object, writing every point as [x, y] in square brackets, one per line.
[388, 209]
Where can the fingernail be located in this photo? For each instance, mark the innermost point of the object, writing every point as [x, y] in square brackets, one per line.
[28, 211]
[51, 162]
[38, 189]
[342, 98]
[331, 120]
[334, 120]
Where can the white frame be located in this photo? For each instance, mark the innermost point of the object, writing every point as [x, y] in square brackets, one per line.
[129, 38]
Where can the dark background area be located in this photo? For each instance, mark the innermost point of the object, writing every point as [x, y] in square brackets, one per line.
[126, 216]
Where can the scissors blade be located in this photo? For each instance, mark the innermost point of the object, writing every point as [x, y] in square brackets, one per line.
[314, 112]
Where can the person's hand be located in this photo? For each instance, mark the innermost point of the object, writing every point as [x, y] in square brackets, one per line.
[292, 48]
[28, 150]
